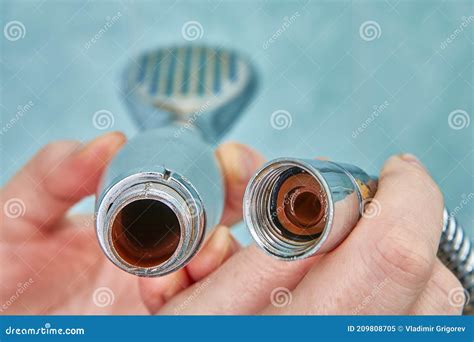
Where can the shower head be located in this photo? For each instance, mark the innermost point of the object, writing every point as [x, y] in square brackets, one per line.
[200, 86]
[163, 192]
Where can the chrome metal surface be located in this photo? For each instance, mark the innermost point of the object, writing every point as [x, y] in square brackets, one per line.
[346, 188]
[178, 170]
[455, 251]
[185, 98]
[200, 86]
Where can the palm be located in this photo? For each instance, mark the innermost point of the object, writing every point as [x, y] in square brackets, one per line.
[52, 263]
[65, 271]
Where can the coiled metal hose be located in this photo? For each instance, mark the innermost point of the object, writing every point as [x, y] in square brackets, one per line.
[455, 251]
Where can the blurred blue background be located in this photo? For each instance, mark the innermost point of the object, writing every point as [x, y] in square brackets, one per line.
[360, 80]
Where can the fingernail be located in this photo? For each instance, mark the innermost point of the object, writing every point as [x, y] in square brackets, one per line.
[220, 242]
[111, 140]
[410, 158]
[248, 163]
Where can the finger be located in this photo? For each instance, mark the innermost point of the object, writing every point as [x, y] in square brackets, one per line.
[385, 263]
[57, 177]
[443, 295]
[245, 284]
[220, 247]
[238, 163]
[157, 291]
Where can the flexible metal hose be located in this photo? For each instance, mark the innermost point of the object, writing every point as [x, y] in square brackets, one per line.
[455, 251]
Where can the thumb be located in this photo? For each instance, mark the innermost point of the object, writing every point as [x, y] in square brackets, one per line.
[238, 163]
[61, 174]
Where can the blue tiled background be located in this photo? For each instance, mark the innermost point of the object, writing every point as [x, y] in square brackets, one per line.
[319, 69]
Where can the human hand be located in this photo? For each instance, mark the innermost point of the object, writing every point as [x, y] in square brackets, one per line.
[387, 265]
[55, 260]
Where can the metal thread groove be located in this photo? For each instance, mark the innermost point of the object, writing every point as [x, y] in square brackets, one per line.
[455, 247]
[455, 250]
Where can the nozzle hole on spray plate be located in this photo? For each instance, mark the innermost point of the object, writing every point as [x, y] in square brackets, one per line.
[287, 209]
[146, 233]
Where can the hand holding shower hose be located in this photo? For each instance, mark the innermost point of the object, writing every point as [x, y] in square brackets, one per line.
[297, 208]
[187, 98]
